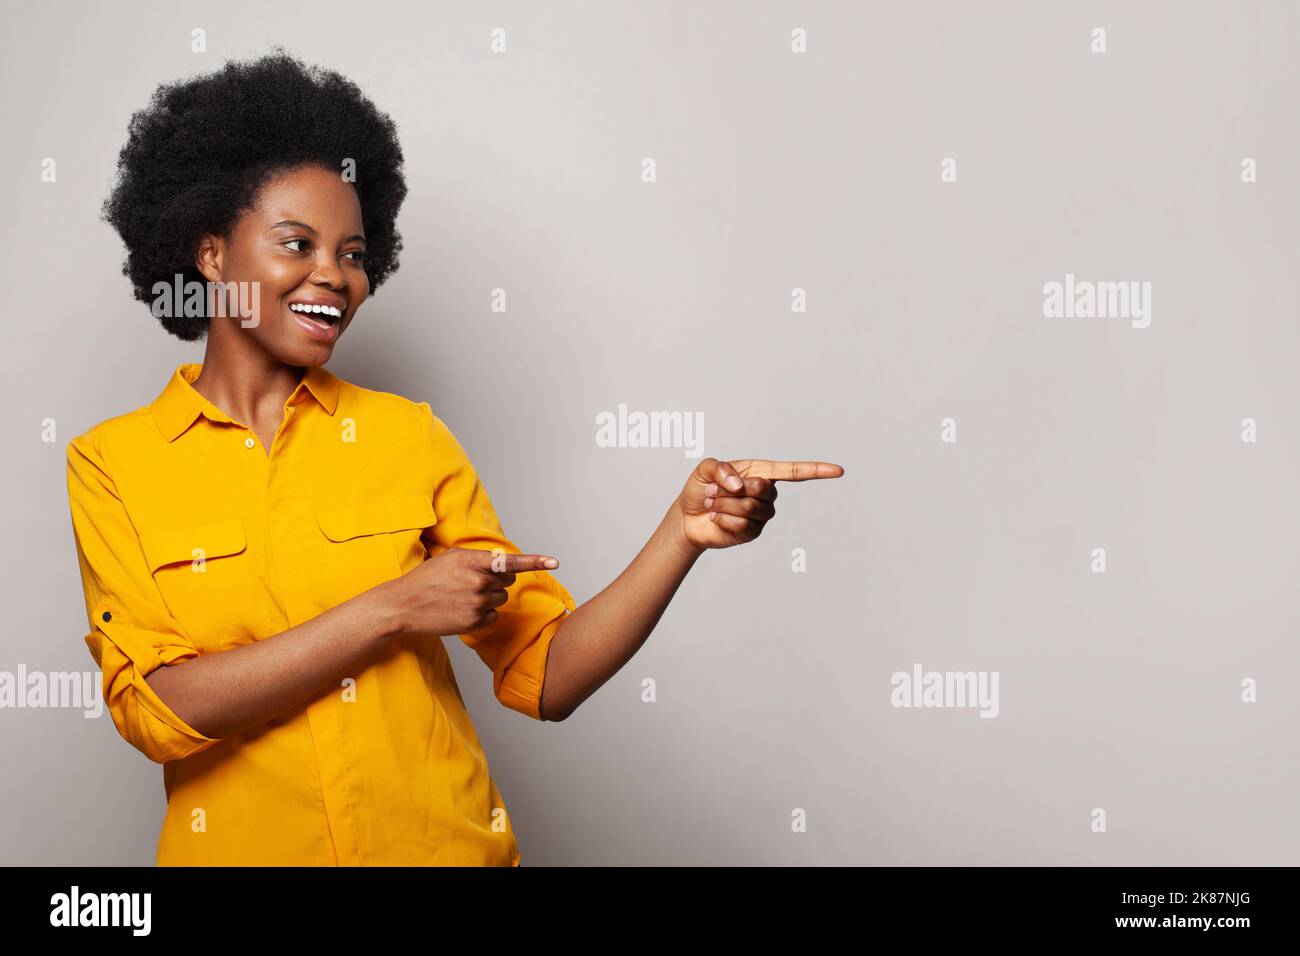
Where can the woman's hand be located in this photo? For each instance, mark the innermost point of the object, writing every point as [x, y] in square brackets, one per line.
[726, 503]
[457, 591]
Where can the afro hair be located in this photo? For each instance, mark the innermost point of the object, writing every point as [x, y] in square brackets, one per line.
[197, 155]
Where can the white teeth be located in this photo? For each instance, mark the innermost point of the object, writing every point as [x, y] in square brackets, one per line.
[316, 309]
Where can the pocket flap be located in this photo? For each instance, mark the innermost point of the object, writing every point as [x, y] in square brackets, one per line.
[376, 517]
[216, 540]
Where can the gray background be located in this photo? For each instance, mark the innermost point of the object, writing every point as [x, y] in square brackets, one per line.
[776, 170]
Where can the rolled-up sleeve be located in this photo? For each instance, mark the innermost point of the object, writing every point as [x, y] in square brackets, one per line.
[131, 632]
[516, 645]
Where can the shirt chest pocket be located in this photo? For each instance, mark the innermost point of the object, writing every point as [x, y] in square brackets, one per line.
[208, 581]
[375, 541]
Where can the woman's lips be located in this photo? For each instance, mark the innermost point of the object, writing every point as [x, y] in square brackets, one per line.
[318, 329]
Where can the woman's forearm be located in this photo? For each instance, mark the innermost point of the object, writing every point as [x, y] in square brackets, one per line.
[223, 693]
[603, 634]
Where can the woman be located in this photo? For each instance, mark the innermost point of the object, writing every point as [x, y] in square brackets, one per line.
[270, 554]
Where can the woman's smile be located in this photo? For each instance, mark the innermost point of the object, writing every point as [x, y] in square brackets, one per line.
[319, 317]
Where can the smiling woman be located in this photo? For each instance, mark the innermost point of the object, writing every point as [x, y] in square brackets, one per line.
[271, 554]
[206, 150]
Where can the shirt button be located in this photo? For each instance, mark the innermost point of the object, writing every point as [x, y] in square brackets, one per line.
[108, 615]
[249, 443]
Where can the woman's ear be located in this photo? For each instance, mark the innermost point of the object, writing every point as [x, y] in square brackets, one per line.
[208, 258]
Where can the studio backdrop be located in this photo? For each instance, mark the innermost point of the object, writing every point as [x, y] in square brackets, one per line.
[1026, 270]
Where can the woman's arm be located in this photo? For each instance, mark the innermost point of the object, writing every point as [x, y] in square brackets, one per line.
[232, 690]
[601, 635]
[722, 505]
[167, 698]
[223, 693]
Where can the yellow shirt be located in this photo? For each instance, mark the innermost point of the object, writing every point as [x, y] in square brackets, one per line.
[192, 539]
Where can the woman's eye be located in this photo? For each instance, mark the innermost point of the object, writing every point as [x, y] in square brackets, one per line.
[357, 255]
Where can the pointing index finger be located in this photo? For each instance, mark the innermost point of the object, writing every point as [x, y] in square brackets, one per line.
[788, 470]
[501, 562]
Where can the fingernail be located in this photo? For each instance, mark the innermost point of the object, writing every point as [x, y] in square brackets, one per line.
[712, 490]
[551, 563]
[734, 483]
[708, 502]
[713, 516]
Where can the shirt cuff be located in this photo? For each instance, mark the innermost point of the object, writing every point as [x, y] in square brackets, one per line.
[127, 655]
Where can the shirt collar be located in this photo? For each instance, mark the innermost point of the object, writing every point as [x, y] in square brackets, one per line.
[179, 403]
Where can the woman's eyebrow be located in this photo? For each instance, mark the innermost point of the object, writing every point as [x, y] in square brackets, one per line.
[295, 223]
[302, 225]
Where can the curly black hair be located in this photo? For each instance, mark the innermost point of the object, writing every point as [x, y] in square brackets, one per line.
[197, 155]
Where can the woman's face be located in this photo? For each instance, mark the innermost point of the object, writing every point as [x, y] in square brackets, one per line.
[303, 244]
